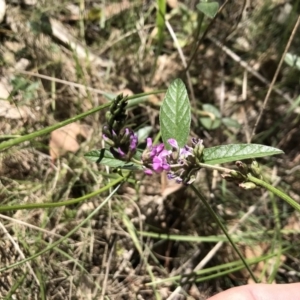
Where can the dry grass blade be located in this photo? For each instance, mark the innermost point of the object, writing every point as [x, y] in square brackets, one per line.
[19, 251]
[249, 68]
[60, 32]
[276, 75]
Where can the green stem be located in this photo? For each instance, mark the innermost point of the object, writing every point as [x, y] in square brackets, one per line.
[274, 190]
[28, 137]
[218, 221]
[138, 162]
[160, 25]
[212, 167]
[62, 203]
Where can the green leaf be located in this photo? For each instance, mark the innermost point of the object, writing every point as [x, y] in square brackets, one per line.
[234, 152]
[104, 157]
[292, 60]
[213, 120]
[143, 133]
[175, 114]
[229, 122]
[209, 9]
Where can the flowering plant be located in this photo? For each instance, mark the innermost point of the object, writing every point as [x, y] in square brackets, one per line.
[178, 159]
[174, 156]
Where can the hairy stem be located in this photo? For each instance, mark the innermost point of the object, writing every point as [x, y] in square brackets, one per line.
[275, 191]
[218, 221]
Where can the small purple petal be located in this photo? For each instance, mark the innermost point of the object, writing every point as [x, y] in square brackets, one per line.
[157, 164]
[170, 175]
[104, 137]
[133, 142]
[164, 153]
[196, 141]
[160, 164]
[156, 150]
[178, 180]
[186, 151]
[152, 153]
[166, 167]
[148, 172]
[149, 142]
[120, 152]
[173, 143]
[159, 148]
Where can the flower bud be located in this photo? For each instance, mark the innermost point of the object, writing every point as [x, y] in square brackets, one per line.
[228, 177]
[255, 169]
[198, 149]
[242, 167]
[248, 185]
[109, 117]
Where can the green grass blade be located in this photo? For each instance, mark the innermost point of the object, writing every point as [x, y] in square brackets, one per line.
[62, 203]
[160, 25]
[217, 271]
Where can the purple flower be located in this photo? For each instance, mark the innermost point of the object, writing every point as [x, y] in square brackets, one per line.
[117, 152]
[186, 151]
[155, 158]
[173, 143]
[178, 180]
[196, 141]
[121, 152]
[109, 136]
[180, 164]
[171, 175]
[153, 151]
[133, 142]
[160, 164]
[157, 150]
[114, 133]
[149, 142]
[148, 172]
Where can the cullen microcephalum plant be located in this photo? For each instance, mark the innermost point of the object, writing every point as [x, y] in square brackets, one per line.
[180, 156]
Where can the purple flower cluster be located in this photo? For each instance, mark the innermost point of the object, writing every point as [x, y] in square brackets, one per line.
[124, 145]
[121, 139]
[179, 163]
[155, 157]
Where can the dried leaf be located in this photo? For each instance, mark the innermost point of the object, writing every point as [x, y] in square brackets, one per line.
[168, 187]
[173, 3]
[263, 267]
[12, 112]
[64, 139]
